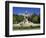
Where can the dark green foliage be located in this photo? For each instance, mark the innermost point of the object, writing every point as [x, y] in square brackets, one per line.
[17, 19]
[33, 18]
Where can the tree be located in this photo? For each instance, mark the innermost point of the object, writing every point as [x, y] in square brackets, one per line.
[17, 18]
[35, 19]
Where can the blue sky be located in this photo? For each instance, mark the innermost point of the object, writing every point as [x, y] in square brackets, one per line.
[17, 10]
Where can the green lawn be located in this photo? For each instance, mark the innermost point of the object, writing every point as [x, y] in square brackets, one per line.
[26, 28]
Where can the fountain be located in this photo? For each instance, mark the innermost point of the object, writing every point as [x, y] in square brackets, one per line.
[25, 17]
[25, 22]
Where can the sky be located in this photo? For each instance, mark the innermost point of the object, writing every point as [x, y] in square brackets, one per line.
[17, 10]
